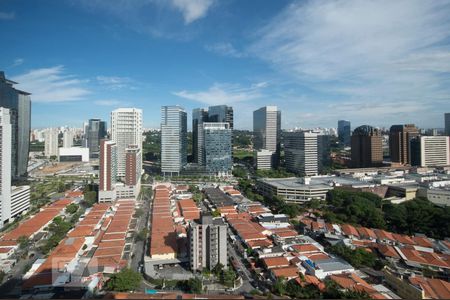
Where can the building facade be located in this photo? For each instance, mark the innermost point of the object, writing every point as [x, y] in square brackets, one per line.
[221, 114]
[447, 124]
[133, 169]
[430, 151]
[323, 151]
[95, 131]
[5, 165]
[20, 199]
[217, 148]
[400, 137]
[19, 104]
[207, 244]
[344, 132]
[367, 147]
[173, 139]
[51, 142]
[301, 152]
[267, 132]
[108, 171]
[199, 116]
[126, 129]
[73, 154]
[68, 139]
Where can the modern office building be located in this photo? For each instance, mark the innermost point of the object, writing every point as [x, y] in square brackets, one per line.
[400, 137]
[263, 159]
[51, 142]
[5, 165]
[430, 151]
[323, 151]
[19, 104]
[199, 116]
[447, 123]
[20, 199]
[126, 130]
[344, 132]
[73, 154]
[300, 150]
[217, 148]
[267, 131]
[221, 114]
[108, 171]
[207, 243]
[173, 139]
[367, 147]
[67, 139]
[94, 132]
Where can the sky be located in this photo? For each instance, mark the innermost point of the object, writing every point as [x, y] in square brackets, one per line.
[371, 62]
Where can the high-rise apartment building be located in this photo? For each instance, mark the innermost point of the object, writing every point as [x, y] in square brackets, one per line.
[221, 114]
[126, 130]
[367, 147]
[207, 243]
[133, 169]
[108, 171]
[51, 142]
[19, 104]
[430, 151]
[68, 139]
[399, 141]
[5, 165]
[173, 139]
[199, 116]
[95, 131]
[217, 148]
[447, 124]
[300, 149]
[344, 132]
[323, 151]
[267, 131]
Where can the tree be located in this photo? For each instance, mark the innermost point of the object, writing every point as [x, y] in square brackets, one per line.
[72, 208]
[215, 213]
[124, 281]
[194, 285]
[138, 213]
[142, 235]
[279, 286]
[228, 277]
[24, 242]
[90, 198]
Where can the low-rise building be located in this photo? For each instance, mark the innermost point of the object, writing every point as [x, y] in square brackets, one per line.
[73, 154]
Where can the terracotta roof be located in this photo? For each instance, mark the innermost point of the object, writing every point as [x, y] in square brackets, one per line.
[349, 230]
[403, 239]
[305, 248]
[365, 232]
[387, 251]
[286, 272]
[422, 241]
[273, 262]
[433, 288]
[384, 235]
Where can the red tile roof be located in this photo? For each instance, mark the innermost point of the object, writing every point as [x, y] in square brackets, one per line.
[433, 288]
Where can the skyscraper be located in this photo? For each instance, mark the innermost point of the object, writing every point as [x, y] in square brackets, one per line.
[126, 130]
[51, 142]
[447, 123]
[367, 147]
[199, 116]
[344, 132]
[430, 151]
[19, 105]
[5, 165]
[217, 148]
[221, 114]
[173, 139]
[133, 169]
[267, 129]
[399, 142]
[300, 150]
[67, 139]
[95, 131]
[108, 171]
[323, 151]
[208, 243]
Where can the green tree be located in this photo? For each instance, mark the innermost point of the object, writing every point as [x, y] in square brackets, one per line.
[24, 242]
[125, 281]
[279, 287]
[194, 285]
[72, 208]
[228, 277]
[142, 235]
[138, 213]
[90, 198]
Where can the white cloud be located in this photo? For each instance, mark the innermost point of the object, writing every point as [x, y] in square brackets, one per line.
[110, 102]
[18, 62]
[51, 85]
[223, 93]
[114, 82]
[368, 52]
[225, 49]
[192, 10]
[7, 16]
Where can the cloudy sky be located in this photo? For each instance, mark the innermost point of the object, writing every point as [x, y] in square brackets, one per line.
[371, 62]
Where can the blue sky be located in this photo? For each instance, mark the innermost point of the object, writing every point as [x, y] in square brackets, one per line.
[372, 62]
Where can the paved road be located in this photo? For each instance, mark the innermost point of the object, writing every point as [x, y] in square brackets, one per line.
[139, 246]
[243, 271]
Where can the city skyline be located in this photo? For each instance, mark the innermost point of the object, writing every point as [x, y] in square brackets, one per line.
[235, 54]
